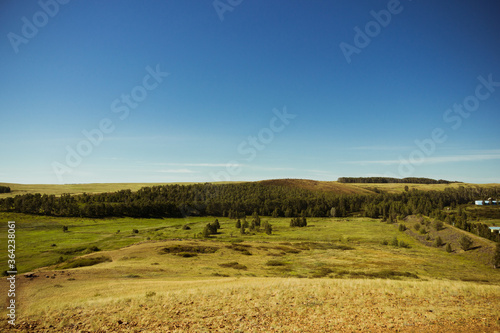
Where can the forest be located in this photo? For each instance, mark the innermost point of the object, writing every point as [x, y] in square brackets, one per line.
[243, 199]
[4, 189]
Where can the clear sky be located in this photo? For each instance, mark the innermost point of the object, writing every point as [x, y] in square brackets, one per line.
[169, 91]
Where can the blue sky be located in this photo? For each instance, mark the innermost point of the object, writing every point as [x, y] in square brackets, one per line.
[171, 91]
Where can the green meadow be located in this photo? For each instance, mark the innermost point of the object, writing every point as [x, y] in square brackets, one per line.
[128, 275]
[41, 241]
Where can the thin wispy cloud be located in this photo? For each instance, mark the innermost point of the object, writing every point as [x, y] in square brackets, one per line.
[200, 165]
[177, 171]
[437, 159]
[381, 148]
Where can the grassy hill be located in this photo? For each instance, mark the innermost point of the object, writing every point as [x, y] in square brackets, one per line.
[159, 275]
[19, 189]
[400, 187]
[314, 185]
[162, 278]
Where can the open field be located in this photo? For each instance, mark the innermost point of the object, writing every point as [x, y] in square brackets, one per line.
[20, 189]
[79, 302]
[325, 186]
[333, 275]
[400, 187]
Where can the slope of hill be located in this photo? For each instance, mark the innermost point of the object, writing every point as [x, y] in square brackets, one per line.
[315, 185]
[400, 187]
[307, 184]
[20, 189]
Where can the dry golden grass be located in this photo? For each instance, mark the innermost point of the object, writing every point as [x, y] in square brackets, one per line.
[146, 289]
[315, 185]
[396, 188]
[20, 189]
[267, 305]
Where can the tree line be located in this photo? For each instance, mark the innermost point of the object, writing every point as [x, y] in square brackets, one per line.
[4, 189]
[244, 199]
[385, 180]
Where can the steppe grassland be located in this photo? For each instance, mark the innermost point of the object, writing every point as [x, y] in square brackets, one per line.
[275, 304]
[177, 289]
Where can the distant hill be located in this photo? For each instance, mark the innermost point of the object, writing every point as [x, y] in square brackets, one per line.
[315, 185]
[307, 184]
[384, 180]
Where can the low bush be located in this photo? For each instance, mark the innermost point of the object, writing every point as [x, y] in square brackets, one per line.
[240, 248]
[234, 265]
[175, 249]
[438, 225]
[187, 254]
[465, 242]
[404, 244]
[322, 272]
[448, 248]
[275, 263]
[83, 262]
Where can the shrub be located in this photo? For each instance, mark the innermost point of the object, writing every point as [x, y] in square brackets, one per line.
[186, 227]
[206, 232]
[322, 272]
[438, 225]
[267, 227]
[93, 249]
[385, 242]
[465, 242]
[238, 224]
[234, 265]
[402, 227]
[240, 248]
[438, 242]
[298, 222]
[132, 276]
[428, 237]
[417, 226]
[423, 231]
[188, 248]
[395, 241]
[496, 257]
[65, 228]
[448, 248]
[135, 231]
[83, 262]
[150, 294]
[404, 244]
[275, 263]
